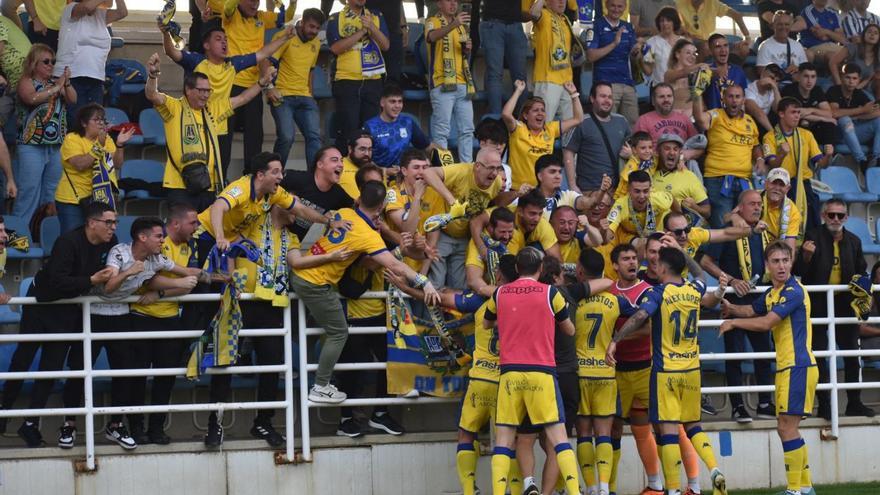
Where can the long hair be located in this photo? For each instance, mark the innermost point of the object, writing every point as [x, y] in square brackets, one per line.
[33, 58]
[678, 47]
[863, 47]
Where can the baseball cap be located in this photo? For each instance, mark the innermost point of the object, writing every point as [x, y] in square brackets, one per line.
[779, 173]
[669, 137]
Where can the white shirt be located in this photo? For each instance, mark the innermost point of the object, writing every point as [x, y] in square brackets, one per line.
[120, 257]
[83, 44]
[773, 52]
[764, 101]
[658, 49]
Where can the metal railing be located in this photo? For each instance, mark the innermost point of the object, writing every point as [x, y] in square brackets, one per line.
[89, 410]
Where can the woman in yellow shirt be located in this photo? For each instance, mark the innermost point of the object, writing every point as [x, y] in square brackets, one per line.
[86, 153]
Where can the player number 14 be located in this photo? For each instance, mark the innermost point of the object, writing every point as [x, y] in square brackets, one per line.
[690, 326]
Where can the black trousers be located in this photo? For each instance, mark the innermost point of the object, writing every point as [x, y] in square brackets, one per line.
[356, 102]
[364, 349]
[50, 38]
[156, 353]
[200, 201]
[225, 142]
[847, 338]
[250, 118]
[391, 10]
[813, 217]
[735, 341]
[270, 350]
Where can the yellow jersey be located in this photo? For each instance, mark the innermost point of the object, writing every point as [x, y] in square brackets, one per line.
[221, 76]
[793, 335]
[594, 323]
[730, 144]
[835, 277]
[784, 224]
[244, 34]
[49, 12]
[453, 40]
[620, 218]
[803, 150]
[525, 147]
[348, 65]
[184, 254]
[245, 209]
[696, 238]
[674, 311]
[605, 251]
[486, 365]
[362, 238]
[680, 184]
[346, 180]
[631, 166]
[543, 237]
[459, 179]
[295, 61]
[77, 184]
[700, 22]
[543, 38]
[361, 308]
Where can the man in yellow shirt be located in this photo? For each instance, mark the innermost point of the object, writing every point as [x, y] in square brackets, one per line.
[553, 40]
[360, 153]
[314, 285]
[732, 152]
[780, 213]
[698, 21]
[640, 213]
[191, 131]
[292, 99]
[673, 177]
[499, 232]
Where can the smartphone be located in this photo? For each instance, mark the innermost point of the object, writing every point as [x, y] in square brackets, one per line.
[466, 7]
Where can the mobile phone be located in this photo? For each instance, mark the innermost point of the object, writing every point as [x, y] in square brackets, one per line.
[466, 7]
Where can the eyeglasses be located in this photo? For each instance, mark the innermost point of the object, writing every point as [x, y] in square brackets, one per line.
[204, 91]
[487, 167]
[99, 120]
[835, 215]
[109, 223]
[681, 232]
[48, 61]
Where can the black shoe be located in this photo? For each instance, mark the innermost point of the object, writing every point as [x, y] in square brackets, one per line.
[265, 431]
[767, 411]
[66, 436]
[531, 490]
[348, 427]
[824, 411]
[387, 424]
[30, 433]
[139, 435]
[157, 436]
[707, 407]
[740, 415]
[117, 432]
[859, 409]
[214, 437]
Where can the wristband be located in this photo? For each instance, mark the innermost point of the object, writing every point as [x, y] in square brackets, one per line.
[574, 95]
[420, 281]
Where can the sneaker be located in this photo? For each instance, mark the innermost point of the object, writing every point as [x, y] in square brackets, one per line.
[66, 436]
[719, 484]
[139, 434]
[348, 427]
[650, 491]
[158, 437]
[767, 411]
[327, 394]
[740, 415]
[531, 490]
[30, 433]
[266, 432]
[120, 435]
[707, 407]
[808, 490]
[859, 409]
[824, 411]
[214, 436]
[387, 424]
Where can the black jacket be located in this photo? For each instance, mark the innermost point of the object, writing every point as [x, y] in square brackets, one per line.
[817, 271]
[68, 271]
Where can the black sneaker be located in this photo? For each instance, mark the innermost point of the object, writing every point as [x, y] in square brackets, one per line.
[66, 436]
[824, 411]
[707, 407]
[859, 409]
[766, 411]
[139, 435]
[158, 437]
[30, 433]
[740, 415]
[387, 424]
[265, 431]
[117, 432]
[348, 427]
[214, 437]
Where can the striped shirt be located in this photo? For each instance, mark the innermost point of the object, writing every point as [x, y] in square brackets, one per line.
[854, 23]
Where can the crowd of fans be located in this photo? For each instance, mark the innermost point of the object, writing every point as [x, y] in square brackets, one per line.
[544, 173]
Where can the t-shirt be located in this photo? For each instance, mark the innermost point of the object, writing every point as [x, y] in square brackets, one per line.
[613, 67]
[854, 23]
[835, 276]
[793, 335]
[347, 179]
[83, 44]
[826, 18]
[852, 57]
[362, 238]
[657, 125]
[803, 150]
[244, 35]
[347, 65]
[812, 100]
[735, 76]
[295, 61]
[184, 254]
[592, 155]
[705, 16]
[435, 52]
[784, 55]
[391, 139]
[696, 238]
[775, 221]
[658, 49]
[245, 209]
[526, 147]
[620, 218]
[302, 184]
[49, 12]
[771, 6]
[542, 237]
[764, 101]
[595, 318]
[647, 10]
[629, 167]
[459, 180]
[546, 55]
[730, 145]
[120, 257]
[637, 349]
[857, 99]
[680, 184]
[675, 309]
[77, 184]
[220, 76]
[15, 49]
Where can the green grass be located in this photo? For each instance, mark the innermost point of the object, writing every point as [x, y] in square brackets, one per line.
[847, 489]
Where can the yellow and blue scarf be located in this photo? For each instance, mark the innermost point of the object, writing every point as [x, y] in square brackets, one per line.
[448, 57]
[372, 63]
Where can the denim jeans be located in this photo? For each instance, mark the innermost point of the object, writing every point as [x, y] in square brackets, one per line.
[721, 205]
[448, 105]
[502, 42]
[303, 110]
[70, 216]
[858, 132]
[37, 171]
[88, 90]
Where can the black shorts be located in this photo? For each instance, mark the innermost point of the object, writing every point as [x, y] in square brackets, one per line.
[571, 396]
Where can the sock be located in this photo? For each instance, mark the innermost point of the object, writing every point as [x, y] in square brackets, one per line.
[500, 469]
[670, 459]
[515, 476]
[612, 483]
[694, 485]
[806, 480]
[604, 458]
[703, 446]
[647, 447]
[586, 457]
[568, 467]
[560, 484]
[689, 458]
[654, 481]
[466, 464]
[794, 462]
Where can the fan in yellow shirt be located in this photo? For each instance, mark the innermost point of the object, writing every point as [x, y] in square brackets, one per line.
[642, 158]
[674, 178]
[732, 135]
[781, 215]
[640, 213]
[360, 153]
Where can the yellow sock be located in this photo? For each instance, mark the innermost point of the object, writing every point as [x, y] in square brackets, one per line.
[670, 459]
[612, 482]
[604, 458]
[794, 462]
[560, 484]
[703, 446]
[586, 457]
[466, 464]
[568, 468]
[501, 469]
[806, 479]
[516, 477]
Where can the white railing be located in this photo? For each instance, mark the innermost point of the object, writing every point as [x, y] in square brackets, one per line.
[288, 404]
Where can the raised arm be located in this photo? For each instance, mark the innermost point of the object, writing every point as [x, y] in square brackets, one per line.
[595, 54]
[269, 49]
[701, 117]
[835, 61]
[535, 10]
[510, 106]
[578, 116]
[740, 22]
[434, 177]
[120, 12]
[438, 34]
[170, 50]
[249, 94]
[151, 88]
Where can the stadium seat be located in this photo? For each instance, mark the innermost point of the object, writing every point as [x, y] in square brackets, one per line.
[845, 185]
[149, 171]
[152, 127]
[872, 180]
[321, 84]
[115, 116]
[50, 229]
[858, 227]
[123, 228]
[24, 285]
[20, 226]
[843, 149]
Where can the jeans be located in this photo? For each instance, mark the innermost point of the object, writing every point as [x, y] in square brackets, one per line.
[251, 116]
[721, 205]
[88, 90]
[502, 42]
[325, 307]
[448, 270]
[858, 132]
[356, 102]
[70, 216]
[37, 172]
[449, 104]
[303, 110]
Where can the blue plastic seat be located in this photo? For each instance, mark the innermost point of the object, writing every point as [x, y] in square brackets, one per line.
[115, 116]
[50, 229]
[858, 227]
[845, 185]
[24, 285]
[321, 84]
[152, 127]
[149, 171]
[872, 180]
[20, 226]
[123, 228]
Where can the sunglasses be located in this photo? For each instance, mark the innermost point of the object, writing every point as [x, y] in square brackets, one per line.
[681, 232]
[48, 61]
[834, 215]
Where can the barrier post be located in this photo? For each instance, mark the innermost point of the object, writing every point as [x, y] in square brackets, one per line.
[304, 383]
[832, 362]
[289, 427]
[87, 382]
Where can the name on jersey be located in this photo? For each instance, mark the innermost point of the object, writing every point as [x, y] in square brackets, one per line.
[592, 362]
[521, 290]
[682, 297]
[604, 300]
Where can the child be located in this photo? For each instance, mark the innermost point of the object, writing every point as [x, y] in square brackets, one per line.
[640, 151]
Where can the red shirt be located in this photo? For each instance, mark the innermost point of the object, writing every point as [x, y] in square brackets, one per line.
[637, 349]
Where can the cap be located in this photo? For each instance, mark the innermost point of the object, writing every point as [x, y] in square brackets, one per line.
[779, 173]
[670, 138]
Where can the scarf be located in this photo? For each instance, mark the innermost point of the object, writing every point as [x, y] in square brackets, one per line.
[494, 251]
[559, 56]
[102, 186]
[744, 253]
[860, 288]
[798, 183]
[272, 283]
[784, 217]
[448, 56]
[585, 11]
[218, 346]
[167, 24]
[199, 148]
[372, 63]
[650, 219]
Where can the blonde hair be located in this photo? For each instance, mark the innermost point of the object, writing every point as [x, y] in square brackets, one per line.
[33, 58]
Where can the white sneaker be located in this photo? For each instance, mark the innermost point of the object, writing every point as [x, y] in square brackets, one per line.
[327, 394]
[120, 435]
